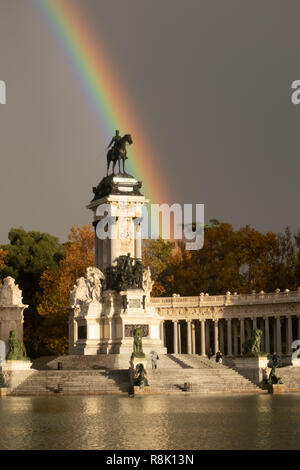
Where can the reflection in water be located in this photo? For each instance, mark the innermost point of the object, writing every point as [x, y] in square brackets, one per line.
[151, 422]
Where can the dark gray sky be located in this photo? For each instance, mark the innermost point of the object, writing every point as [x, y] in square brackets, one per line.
[210, 82]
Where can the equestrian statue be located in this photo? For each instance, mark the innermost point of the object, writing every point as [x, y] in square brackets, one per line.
[117, 151]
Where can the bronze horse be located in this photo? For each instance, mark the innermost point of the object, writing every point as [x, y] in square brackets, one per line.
[118, 153]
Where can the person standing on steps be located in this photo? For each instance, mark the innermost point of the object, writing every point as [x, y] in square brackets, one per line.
[154, 359]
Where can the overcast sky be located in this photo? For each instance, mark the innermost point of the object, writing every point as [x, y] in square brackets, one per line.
[210, 82]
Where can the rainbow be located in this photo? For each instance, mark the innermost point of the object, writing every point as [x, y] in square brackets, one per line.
[105, 96]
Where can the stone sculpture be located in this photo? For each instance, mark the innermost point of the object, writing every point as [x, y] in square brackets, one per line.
[87, 289]
[17, 351]
[273, 379]
[128, 274]
[137, 344]
[118, 151]
[140, 379]
[252, 347]
[10, 294]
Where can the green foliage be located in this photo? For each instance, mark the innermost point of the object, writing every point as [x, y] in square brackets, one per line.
[29, 254]
[230, 260]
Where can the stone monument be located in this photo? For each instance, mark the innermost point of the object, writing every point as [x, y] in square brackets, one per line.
[11, 310]
[122, 285]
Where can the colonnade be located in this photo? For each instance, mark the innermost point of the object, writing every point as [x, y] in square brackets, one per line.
[229, 334]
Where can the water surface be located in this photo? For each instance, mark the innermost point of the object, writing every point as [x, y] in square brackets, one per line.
[151, 422]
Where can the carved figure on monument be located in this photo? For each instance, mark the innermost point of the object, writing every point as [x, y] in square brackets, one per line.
[10, 294]
[118, 152]
[137, 344]
[273, 379]
[138, 270]
[87, 289]
[140, 379]
[252, 347]
[128, 274]
[17, 351]
[147, 281]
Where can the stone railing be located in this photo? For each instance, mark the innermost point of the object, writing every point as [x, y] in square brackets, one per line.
[205, 300]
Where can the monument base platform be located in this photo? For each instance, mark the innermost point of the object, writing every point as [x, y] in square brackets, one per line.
[277, 388]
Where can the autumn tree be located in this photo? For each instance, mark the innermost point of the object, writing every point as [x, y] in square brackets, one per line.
[3, 254]
[230, 260]
[56, 285]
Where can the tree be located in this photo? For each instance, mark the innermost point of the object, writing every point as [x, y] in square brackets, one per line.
[29, 254]
[3, 254]
[56, 284]
[230, 260]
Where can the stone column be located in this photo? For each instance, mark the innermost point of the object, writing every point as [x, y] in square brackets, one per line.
[267, 336]
[278, 336]
[298, 329]
[235, 338]
[138, 242]
[216, 336]
[242, 338]
[254, 322]
[179, 337]
[189, 337]
[207, 337]
[193, 338]
[162, 332]
[229, 338]
[175, 336]
[289, 335]
[202, 322]
[221, 327]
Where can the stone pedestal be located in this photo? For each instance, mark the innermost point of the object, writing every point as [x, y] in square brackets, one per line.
[12, 373]
[254, 368]
[15, 365]
[277, 388]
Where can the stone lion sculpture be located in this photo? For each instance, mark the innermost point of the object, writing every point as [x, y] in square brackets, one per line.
[252, 347]
[17, 351]
[140, 378]
[137, 344]
[273, 379]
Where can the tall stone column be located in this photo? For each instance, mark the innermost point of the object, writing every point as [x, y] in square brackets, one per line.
[179, 337]
[278, 336]
[216, 336]
[298, 329]
[193, 338]
[138, 242]
[235, 338]
[229, 338]
[207, 336]
[242, 332]
[189, 337]
[221, 329]
[162, 332]
[254, 323]
[267, 335]
[202, 322]
[289, 335]
[175, 336]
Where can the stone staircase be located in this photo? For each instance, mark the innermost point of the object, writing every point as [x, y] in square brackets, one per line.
[90, 375]
[204, 375]
[48, 382]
